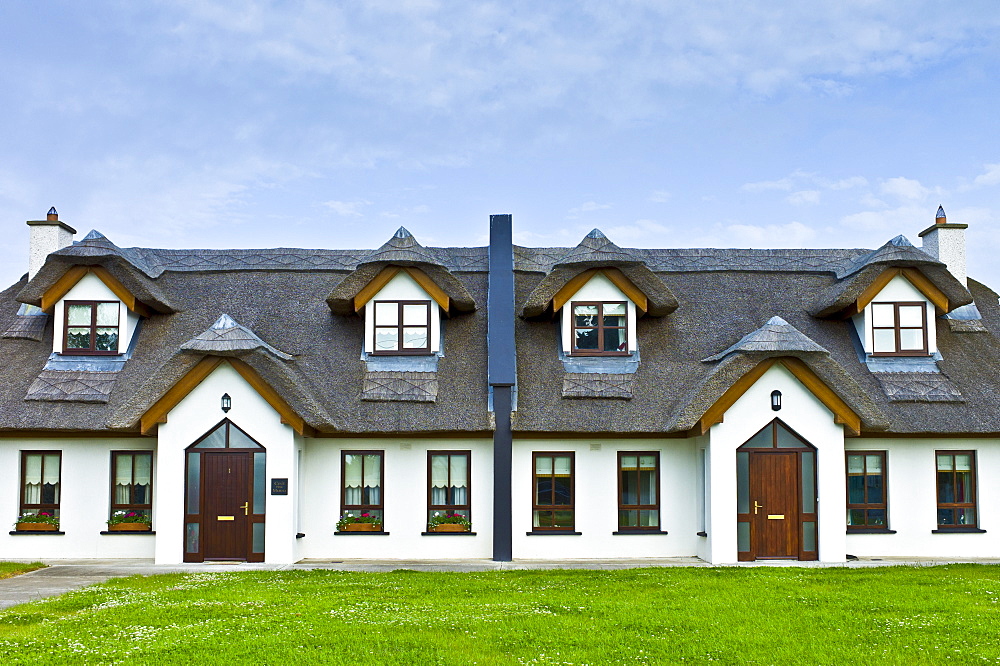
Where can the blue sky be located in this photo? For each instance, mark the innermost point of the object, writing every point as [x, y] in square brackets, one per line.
[665, 124]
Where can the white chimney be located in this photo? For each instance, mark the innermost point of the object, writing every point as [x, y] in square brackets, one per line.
[45, 237]
[946, 242]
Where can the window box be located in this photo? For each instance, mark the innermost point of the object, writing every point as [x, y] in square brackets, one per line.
[362, 527]
[450, 527]
[36, 527]
[129, 527]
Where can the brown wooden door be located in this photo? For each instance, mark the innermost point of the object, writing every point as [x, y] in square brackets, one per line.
[774, 508]
[225, 524]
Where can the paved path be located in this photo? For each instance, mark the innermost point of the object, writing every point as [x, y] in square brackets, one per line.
[65, 575]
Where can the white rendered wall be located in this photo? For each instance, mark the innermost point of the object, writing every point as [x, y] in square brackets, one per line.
[85, 501]
[405, 501]
[193, 417]
[598, 288]
[91, 288]
[402, 287]
[807, 416]
[912, 486]
[596, 507]
[898, 290]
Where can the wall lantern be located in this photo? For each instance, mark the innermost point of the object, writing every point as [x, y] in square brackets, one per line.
[775, 400]
[227, 402]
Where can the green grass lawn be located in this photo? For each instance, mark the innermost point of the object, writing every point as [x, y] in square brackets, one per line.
[896, 615]
[8, 569]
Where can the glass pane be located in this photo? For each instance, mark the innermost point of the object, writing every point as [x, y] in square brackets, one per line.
[240, 440]
[614, 339]
[649, 518]
[78, 315]
[855, 516]
[883, 314]
[628, 518]
[742, 482]
[415, 337]
[586, 338]
[762, 440]
[439, 472]
[415, 315]
[873, 464]
[647, 462]
[743, 537]
[856, 489]
[563, 465]
[107, 314]
[963, 487]
[963, 462]
[876, 517]
[808, 482]
[107, 339]
[373, 470]
[884, 340]
[561, 490]
[855, 464]
[630, 490]
[459, 472]
[965, 516]
[874, 484]
[614, 320]
[911, 315]
[786, 440]
[911, 339]
[193, 482]
[945, 462]
[946, 517]
[615, 310]
[191, 538]
[590, 311]
[78, 338]
[562, 519]
[258, 538]
[215, 440]
[647, 488]
[809, 537]
[386, 339]
[543, 465]
[386, 314]
[259, 484]
[629, 462]
[946, 488]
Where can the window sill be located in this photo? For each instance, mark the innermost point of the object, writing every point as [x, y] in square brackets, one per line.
[871, 530]
[553, 533]
[959, 530]
[701, 534]
[447, 534]
[597, 354]
[129, 532]
[361, 533]
[630, 532]
[19, 532]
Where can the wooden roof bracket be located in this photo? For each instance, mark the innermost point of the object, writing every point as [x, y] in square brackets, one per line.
[69, 279]
[617, 278]
[437, 294]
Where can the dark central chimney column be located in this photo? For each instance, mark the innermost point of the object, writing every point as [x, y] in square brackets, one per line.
[502, 377]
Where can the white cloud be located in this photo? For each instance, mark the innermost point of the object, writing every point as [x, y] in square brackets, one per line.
[990, 177]
[659, 196]
[849, 183]
[587, 207]
[767, 185]
[804, 197]
[904, 189]
[346, 208]
[792, 234]
[641, 233]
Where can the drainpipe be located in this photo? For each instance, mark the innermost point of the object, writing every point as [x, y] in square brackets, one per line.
[502, 378]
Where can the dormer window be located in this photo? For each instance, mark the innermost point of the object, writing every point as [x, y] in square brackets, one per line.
[599, 328]
[91, 327]
[402, 327]
[899, 329]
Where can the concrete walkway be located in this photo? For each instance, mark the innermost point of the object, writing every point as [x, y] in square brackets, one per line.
[62, 576]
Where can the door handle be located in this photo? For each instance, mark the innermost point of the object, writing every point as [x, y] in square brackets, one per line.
[756, 507]
[246, 508]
